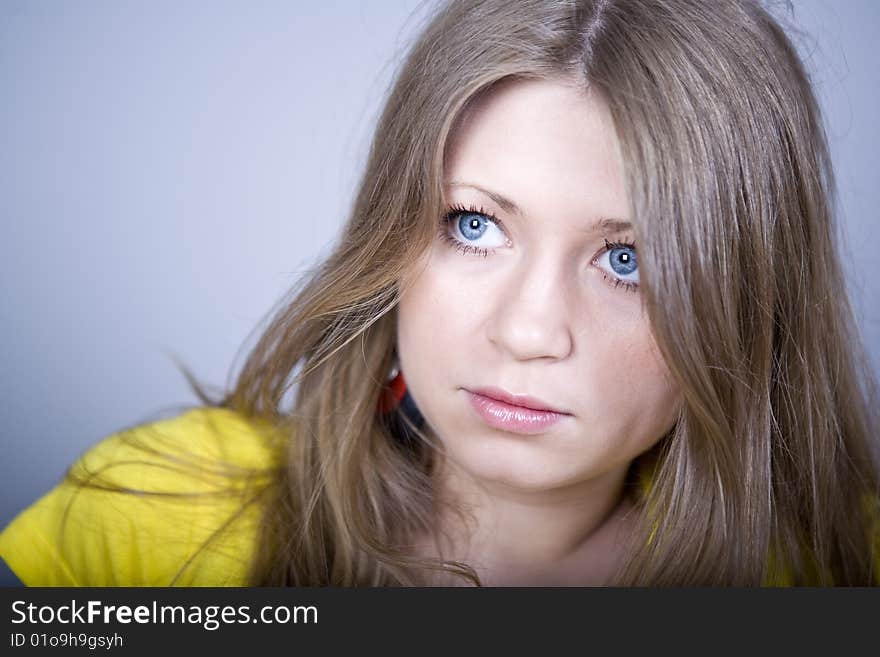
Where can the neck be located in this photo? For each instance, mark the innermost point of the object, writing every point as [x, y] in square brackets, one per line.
[569, 535]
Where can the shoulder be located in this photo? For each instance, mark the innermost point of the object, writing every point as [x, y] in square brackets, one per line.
[182, 452]
[176, 501]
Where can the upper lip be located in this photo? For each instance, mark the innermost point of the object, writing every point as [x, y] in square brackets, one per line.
[526, 401]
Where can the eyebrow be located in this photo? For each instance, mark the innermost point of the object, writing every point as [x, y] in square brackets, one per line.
[605, 224]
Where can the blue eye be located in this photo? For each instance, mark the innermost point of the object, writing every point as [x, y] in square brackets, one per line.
[622, 264]
[467, 229]
[623, 260]
[472, 225]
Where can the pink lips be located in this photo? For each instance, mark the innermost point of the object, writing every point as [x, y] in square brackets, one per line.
[512, 416]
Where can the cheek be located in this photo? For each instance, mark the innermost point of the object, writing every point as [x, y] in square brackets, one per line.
[644, 396]
[432, 318]
[436, 306]
[626, 397]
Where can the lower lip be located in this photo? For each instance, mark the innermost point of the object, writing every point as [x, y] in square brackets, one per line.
[515, 419]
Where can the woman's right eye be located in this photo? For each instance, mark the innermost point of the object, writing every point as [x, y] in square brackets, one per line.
[472, 230]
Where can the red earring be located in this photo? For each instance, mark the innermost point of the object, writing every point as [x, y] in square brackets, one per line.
[393, 391]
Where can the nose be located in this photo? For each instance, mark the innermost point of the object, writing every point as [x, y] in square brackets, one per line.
[531, 317]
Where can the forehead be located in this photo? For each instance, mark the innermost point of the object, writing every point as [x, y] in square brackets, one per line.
[533, 140]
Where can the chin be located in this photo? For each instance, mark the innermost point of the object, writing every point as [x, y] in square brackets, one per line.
[527, 475]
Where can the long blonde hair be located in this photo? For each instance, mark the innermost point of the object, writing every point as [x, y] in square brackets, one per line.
[769, 474]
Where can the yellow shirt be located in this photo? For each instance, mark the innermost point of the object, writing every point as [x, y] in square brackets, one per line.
[157, 537]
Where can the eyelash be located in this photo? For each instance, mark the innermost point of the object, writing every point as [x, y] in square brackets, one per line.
[456, 210]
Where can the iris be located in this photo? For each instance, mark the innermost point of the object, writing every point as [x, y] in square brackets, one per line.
[623, 260]
[472, 226]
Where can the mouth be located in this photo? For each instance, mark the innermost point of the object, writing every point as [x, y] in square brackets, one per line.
[514, 417]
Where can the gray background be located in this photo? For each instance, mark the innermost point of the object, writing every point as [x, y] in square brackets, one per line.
[167, 169]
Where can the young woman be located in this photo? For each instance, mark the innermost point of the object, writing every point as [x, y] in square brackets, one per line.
[586, 325]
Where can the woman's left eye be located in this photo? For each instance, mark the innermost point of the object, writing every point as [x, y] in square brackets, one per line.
[619, 265]
[472, 230]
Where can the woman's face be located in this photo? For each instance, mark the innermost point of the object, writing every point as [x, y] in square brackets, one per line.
[520, 294]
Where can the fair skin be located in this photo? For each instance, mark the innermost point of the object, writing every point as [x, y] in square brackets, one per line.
[538, 313]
